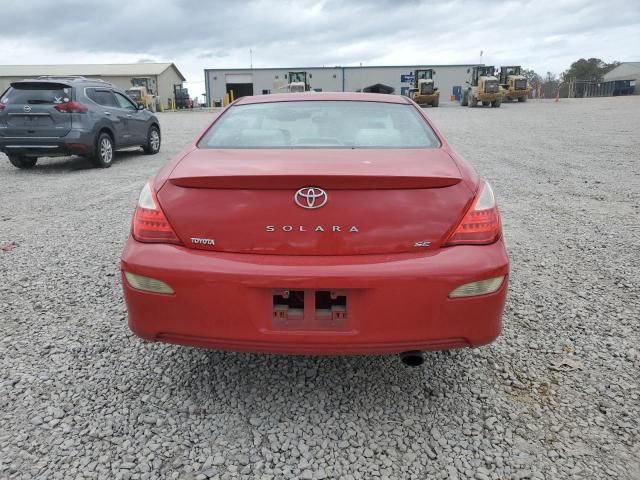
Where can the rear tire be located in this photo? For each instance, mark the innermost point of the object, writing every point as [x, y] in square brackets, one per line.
[436, 102]
[473, 101]
[20, 161]
[103, 151]
[496, 103]
[464, 100]
[153, 141]
[522, 99]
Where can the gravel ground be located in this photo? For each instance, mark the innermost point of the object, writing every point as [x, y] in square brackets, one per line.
[80, 397]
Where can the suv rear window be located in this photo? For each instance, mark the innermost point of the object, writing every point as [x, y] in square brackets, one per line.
[36, 94]
[321, 124]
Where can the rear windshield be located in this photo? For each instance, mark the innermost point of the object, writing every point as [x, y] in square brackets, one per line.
[36, 93]
[321, 124]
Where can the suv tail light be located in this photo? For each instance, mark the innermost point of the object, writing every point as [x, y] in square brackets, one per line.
[2, 106]
[71, 107]
[150, 225]
[481, 224]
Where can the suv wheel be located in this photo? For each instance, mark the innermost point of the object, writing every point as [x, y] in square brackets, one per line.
[103, 155]
[21, 161]
[153, 141]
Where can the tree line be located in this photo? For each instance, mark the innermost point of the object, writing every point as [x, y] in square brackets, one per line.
[583, 70]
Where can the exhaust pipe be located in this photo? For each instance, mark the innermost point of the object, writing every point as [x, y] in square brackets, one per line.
[414, 358]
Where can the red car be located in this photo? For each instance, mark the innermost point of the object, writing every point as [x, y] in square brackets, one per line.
[317, 223]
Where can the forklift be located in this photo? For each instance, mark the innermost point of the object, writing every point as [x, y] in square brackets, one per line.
[424, 92]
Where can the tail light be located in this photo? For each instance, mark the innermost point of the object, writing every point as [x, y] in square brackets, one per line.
[481, 224]
[71, 107]
[2, 106]
[150, 225]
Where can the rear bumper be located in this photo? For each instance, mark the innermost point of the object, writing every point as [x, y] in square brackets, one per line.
[76, 142]
[394, 303]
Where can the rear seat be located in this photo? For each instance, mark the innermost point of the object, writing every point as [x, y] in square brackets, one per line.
[378, 137]
[250, 137]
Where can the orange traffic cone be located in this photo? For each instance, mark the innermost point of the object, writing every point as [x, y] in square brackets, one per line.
[558, 95]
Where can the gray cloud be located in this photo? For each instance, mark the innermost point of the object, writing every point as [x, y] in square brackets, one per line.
[546, 35]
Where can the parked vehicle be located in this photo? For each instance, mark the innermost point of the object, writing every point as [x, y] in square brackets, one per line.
[54, 116]
[514, 84]
[482, 87]
[141, 97]
[424, 92]
[355, 229]
[182, 97]
[298, 82]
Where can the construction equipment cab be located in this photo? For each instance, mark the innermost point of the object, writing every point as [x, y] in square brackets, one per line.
[424, 91]
[298, 82]
[514, 84]
[142, 97]
[482, 86]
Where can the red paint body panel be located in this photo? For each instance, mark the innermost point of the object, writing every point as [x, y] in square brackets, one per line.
[396, 302]
[396, 294]
[234, 196]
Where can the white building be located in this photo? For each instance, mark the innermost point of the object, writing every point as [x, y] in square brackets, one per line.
[159, 78]
[259, 81]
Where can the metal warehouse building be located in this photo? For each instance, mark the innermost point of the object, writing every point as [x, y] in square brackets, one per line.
[159, 78]
[625, 78]
[260, 81]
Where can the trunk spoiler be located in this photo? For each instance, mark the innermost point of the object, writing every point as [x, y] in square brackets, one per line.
[339, 182]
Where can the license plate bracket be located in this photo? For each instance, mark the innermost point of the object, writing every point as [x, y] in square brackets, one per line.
[324, 310]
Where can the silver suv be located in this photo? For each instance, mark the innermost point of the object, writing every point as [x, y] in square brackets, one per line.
[53, 116]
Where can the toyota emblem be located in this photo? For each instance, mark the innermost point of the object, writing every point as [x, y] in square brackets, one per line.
[27, 108]
[310, 197]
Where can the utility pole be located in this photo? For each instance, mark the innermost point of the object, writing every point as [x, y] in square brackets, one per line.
[251, 58]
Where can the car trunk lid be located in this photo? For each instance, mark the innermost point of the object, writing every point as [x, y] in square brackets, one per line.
[29, 110]
[256, 201]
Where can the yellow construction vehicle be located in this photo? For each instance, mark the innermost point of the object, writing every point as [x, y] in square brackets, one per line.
[298, 82]
[424, 91]
[142, 97]
[482, 87]
[514, 84]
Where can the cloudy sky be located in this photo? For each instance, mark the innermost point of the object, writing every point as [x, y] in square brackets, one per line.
[546, 35]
